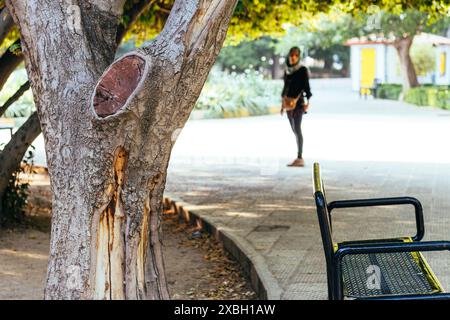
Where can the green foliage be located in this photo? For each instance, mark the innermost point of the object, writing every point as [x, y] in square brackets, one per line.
[435, 96]
[150, 22]
[252, 19]
[253, 54]
[394, 23]
[389, 91]
[16, 49]
[408, 22]
[16, 195]
[227, 95]
[322, 31]
[424, 58]
[426, 95]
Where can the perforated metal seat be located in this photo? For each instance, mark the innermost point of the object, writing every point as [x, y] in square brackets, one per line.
[400, 273]
[380, 268]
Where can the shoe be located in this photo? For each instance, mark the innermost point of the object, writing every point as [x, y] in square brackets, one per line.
[297, 163]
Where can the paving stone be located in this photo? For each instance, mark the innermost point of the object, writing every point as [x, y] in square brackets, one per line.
[367, 149]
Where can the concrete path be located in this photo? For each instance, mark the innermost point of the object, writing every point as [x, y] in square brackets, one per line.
[233, 173]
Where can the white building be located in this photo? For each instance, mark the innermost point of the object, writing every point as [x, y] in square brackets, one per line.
[372, 59]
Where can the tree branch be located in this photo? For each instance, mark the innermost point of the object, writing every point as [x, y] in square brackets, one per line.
[14, 151]
[133, 14]
[9, 61]
[23, 88]
[6, 24]
[113, 6]
[196, 23]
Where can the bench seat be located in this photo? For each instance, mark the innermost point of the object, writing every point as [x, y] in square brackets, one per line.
[392, 269]
[401, 273]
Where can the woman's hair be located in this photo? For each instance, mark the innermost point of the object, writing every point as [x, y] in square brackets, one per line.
[295, 49]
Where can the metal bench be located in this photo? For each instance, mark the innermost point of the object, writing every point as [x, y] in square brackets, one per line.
[372, 90]
[386, 269]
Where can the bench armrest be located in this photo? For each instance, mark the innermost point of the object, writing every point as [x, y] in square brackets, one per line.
[385, 202]
[379, 248]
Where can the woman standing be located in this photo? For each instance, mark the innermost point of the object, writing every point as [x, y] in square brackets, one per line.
[296, 85]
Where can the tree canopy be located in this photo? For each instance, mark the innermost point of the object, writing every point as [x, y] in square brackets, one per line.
[256, 18]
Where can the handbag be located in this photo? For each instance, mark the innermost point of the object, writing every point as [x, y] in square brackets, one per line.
[288, 103]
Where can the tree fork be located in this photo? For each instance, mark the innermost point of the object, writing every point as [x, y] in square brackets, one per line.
[103, 118]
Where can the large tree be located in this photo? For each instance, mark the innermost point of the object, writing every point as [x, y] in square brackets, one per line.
[109, 128]
[141, 20]
[108, 134]
[12, 58]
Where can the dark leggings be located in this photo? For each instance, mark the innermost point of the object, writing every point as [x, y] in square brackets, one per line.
[295, 119]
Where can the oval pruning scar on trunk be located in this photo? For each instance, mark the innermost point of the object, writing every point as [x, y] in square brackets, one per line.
[117, 85]
[111, 238]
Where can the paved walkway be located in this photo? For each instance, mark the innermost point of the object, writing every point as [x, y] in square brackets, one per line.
[234, 173]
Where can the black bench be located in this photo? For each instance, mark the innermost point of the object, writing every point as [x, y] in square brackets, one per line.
[377, 269]
[372, 90]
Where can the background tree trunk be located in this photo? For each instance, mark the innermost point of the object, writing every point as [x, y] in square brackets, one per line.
[6, 23]
[13, 153]
[408, 70]
[9, 61]
[108, 144]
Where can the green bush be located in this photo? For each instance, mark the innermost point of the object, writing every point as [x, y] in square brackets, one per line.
[389, 91]
[435, 96]
[233, 95]
[425, 95]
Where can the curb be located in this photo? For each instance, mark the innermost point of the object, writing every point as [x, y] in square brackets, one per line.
[254, 265]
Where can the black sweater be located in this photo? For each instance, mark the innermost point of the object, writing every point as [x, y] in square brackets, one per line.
[296, 83]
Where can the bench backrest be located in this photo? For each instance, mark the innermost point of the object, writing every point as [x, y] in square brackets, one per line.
[324, 217]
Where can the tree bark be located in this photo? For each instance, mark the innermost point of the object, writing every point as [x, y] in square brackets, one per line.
[20, 146]
[109, 135]
[8, 63]
[12, 154]
[6, 24]
[403, 46]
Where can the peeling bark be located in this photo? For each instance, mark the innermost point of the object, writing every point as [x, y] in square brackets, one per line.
[110, 249]
[108, 134]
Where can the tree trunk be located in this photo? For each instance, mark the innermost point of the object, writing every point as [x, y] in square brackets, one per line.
[275, 67]
[13, 153]
[9, 61]
[109, 137]
[17, 150]
[19, 146]
[408, 70]
[6, 24]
